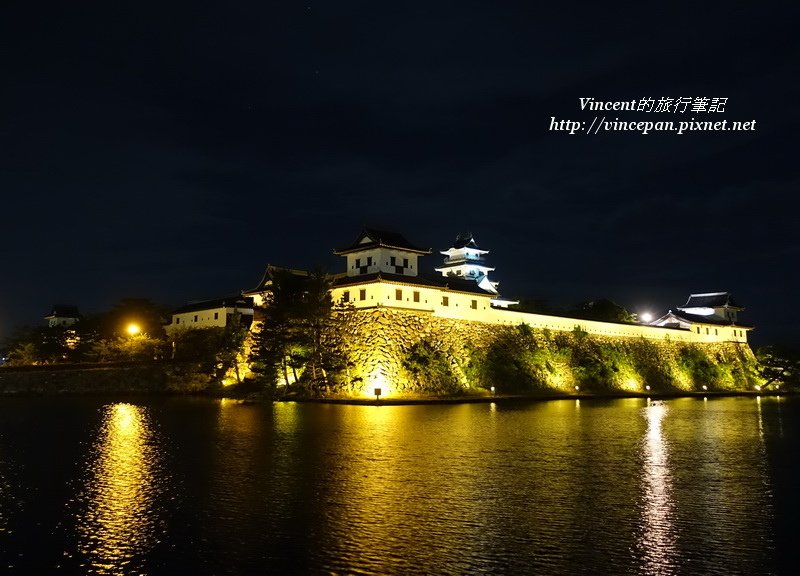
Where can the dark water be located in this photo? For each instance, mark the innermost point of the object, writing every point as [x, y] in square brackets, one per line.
[183, 486]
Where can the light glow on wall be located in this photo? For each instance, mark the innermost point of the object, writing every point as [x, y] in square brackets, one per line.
[377, 380]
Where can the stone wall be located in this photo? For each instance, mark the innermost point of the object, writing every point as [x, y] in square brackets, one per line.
[398, 351]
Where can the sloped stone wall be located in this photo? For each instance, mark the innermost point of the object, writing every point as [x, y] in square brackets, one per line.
[377, 343]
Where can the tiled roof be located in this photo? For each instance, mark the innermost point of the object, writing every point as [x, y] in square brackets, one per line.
[267, 278]
[235, 301]
[64, 311]
[465, 241]
[700, 319]
[711, 300]
[381, 238]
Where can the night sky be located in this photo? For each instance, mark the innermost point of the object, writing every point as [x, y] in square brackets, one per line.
[171, 150]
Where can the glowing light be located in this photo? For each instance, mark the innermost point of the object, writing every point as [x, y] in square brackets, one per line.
[705, 387]
[492, 389]
[375, 383]
[133, 328]
[758, 388]
[647, 387]
[646, 316]
[577, 388]
[631, 384]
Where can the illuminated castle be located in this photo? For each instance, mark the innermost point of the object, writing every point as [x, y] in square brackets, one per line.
[383, 272]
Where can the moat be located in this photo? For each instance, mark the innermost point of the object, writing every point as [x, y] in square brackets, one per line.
[200, 486]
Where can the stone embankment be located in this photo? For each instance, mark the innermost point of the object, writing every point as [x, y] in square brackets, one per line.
[400, 351]
[123, 378]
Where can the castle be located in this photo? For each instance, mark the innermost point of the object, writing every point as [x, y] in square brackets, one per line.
[383, 271]
[460, 317]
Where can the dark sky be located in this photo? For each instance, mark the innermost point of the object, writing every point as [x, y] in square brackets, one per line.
[171, 150]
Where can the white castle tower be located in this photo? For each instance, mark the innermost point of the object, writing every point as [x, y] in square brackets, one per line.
[465, 260]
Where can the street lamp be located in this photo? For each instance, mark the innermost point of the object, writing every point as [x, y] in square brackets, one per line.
[133, 329]
[645, 317]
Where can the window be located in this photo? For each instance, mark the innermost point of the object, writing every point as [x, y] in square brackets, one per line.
[416, 296]
[177, 320]
[195, 318]
[706, 330]
[445, 301]
[393, 261]
[474, 305]
[362, 294]
[398, 294]
[716, 332]
[346, 296]
[405, 262]
[358, 262]
[369, 260]
[216, 315]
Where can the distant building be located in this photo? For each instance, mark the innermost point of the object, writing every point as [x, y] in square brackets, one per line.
[211, 313]
[708, 314]
[63, 315]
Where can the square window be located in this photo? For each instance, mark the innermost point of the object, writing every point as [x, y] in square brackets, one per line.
[195, 319]
[416, 296]
[216, 315]
[445, 301]
[177, 320]
[474, 305]
[346, 296]
[362, 294]
[398, 294]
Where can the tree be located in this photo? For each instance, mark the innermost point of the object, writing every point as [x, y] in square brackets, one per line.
[603, 311]
[779, 365]
[231, 343]
[291, 333]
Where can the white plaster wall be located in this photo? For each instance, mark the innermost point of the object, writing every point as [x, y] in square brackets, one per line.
[205, 318]
[459, 308]
[381, 259]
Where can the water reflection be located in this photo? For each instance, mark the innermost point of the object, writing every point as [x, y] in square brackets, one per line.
[117, 523]
[657, 532]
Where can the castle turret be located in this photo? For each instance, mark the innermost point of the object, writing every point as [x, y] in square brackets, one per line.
[381, 251]
[465, 260]
[716, 305]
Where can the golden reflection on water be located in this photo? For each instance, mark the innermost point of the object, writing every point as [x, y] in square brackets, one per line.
[657, 535]
[115, 522]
